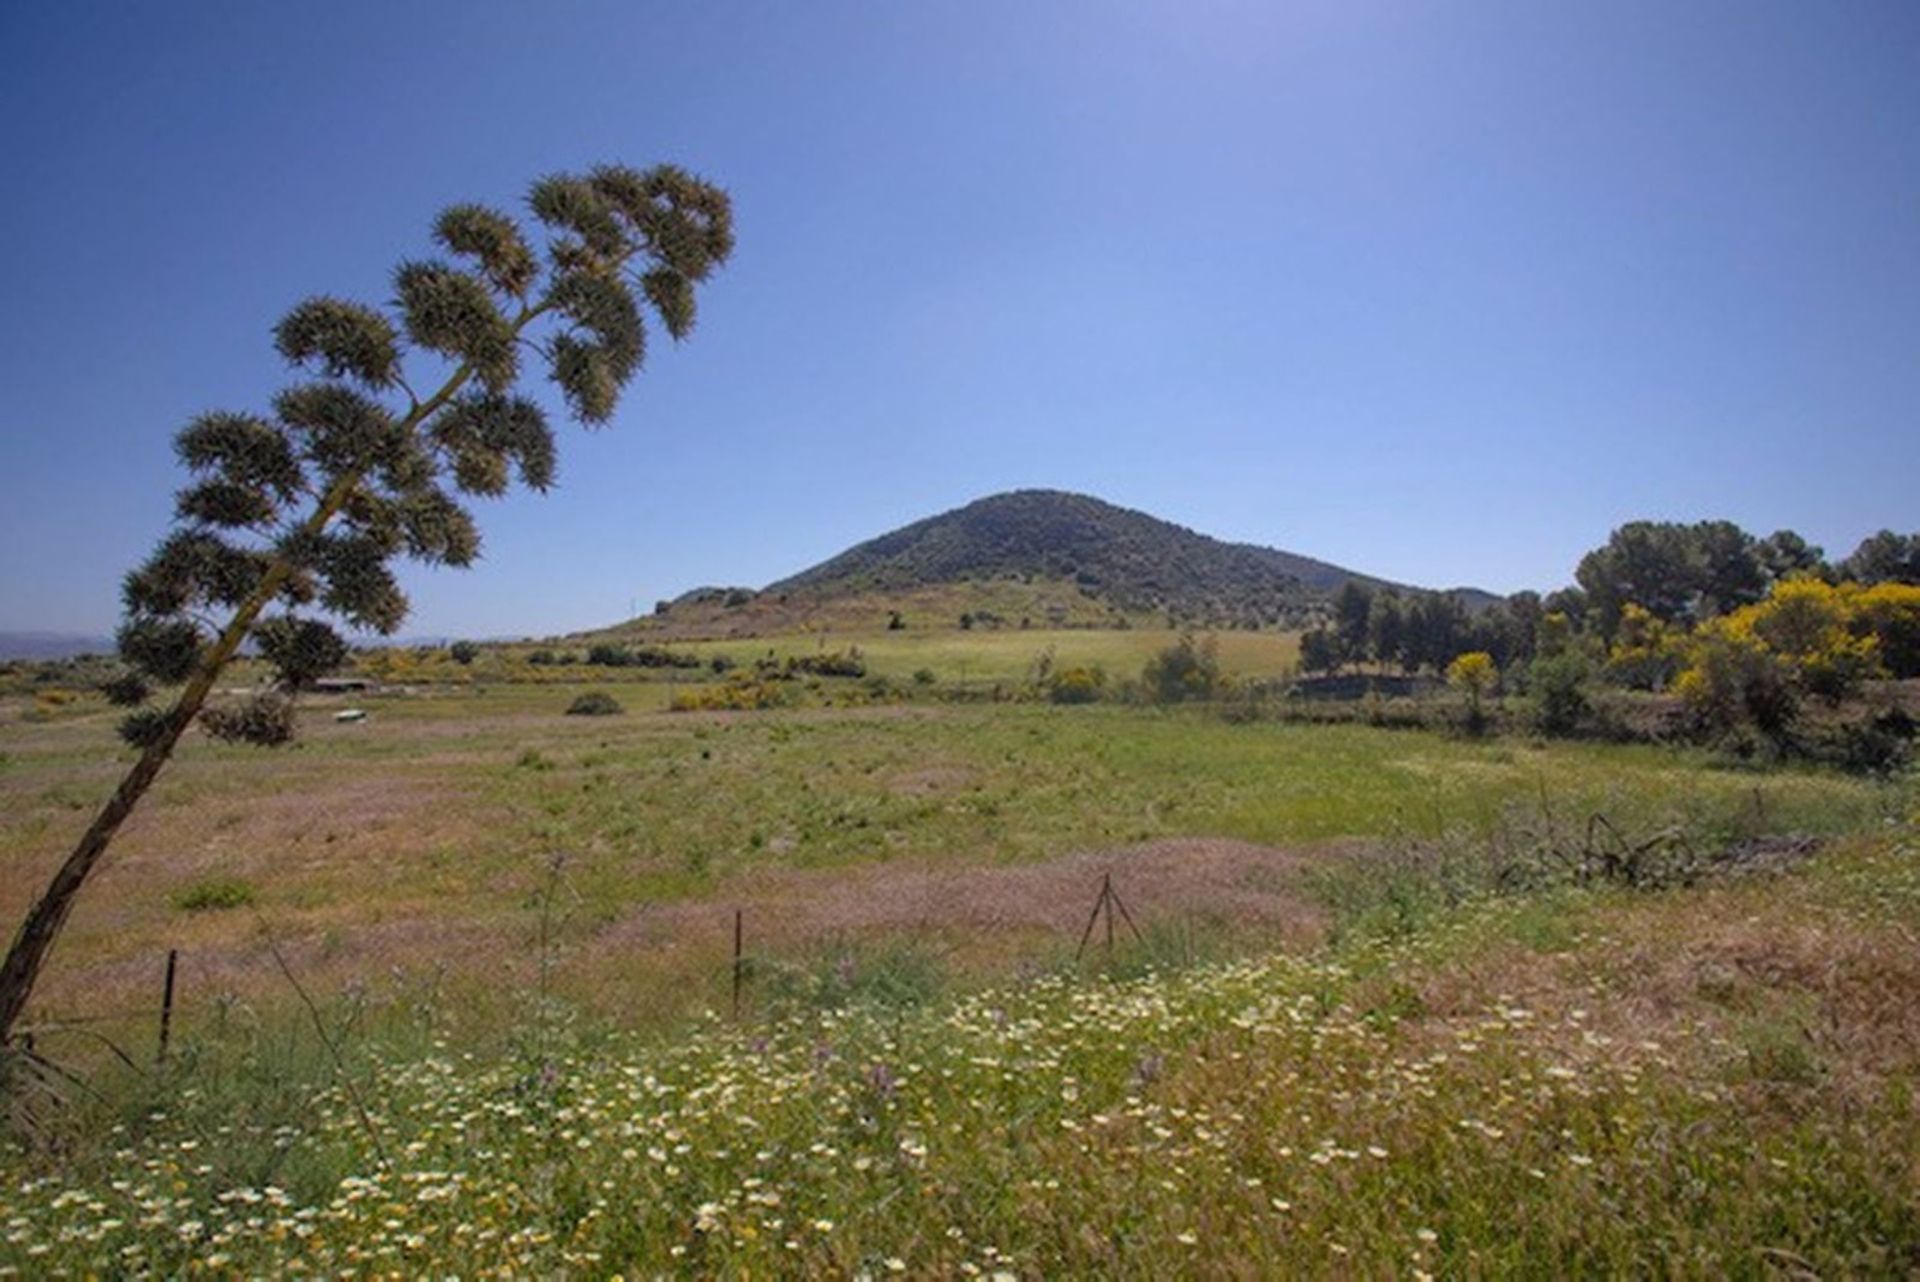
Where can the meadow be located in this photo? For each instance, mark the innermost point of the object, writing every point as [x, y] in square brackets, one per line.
[971, 660]
[1343, 1040]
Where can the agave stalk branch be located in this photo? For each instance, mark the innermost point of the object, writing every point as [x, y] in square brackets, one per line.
[32, 942]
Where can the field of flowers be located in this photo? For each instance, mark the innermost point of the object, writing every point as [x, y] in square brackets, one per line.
[1716, 1081]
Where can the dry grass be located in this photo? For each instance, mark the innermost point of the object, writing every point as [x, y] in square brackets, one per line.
[1224, 881]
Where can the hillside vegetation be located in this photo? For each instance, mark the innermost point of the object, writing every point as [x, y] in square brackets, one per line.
[986, 605]
[1044, 555]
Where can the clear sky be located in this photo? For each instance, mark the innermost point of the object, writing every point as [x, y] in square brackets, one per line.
[1438, 291]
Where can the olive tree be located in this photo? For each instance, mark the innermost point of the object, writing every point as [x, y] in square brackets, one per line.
[292, 519]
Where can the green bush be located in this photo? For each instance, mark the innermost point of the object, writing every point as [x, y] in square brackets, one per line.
[595, 703]
[214, 893]
[1185, 670]
[265, 719]
[1557, 686]
[1076, 685]
[836, 664]
[1875, 743]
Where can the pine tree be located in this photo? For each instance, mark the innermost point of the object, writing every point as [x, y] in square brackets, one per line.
[292, 518]
[1351, 611]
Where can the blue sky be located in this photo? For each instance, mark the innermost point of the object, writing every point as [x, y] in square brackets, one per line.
[1441, 292]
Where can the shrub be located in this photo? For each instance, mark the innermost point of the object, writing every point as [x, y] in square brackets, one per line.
[836, 664]
[265, 719]
[1890, 614]
[1557, 687]
[1184, 670]
[1732, 676]
[140, 728]
[1076, 685]
[605, 655]
[1646, 650]
[463, 652]
[214, 893]
[1474, 674]
[1879, 743]
[1805, 622]
[740, 692]
[595, 703]
[656, 656]
[126, 690]
[924, 677]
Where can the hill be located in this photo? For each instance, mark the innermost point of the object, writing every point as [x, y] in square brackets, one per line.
[1048, 556]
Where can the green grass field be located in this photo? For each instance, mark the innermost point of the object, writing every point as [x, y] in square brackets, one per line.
[973, 659]
[1710, 1081]
[1009, 655]
[416, 838]
[1341, 1047]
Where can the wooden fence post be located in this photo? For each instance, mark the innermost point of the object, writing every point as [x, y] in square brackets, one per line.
[1106, 897]
[166, 1005]
[739, 958]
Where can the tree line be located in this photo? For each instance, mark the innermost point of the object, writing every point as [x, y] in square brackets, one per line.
[1664, 575]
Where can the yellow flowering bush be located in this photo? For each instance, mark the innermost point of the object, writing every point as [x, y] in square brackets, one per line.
[1474, 673]
[1731, 675]
[1646, 651]
[1890, 614]
[1758, 660]
[740, 692]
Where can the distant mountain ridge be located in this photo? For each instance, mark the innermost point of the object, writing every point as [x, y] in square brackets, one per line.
[52, 645]
[1110, 561]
